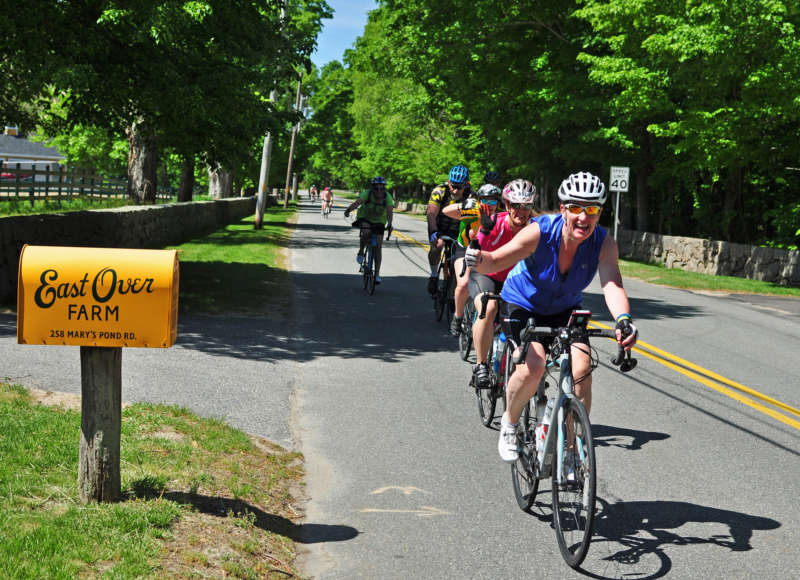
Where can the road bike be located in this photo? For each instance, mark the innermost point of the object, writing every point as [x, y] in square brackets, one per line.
[326, 208]
[368, 265]
[444, 304]
[558, 443]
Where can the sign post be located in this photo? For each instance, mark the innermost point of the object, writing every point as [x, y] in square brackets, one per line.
[619, 181]
[100, 299]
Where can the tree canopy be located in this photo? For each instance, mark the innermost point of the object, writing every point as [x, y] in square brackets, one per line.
[700, 99]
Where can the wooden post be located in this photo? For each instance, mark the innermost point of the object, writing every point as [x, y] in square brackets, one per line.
[101, 424]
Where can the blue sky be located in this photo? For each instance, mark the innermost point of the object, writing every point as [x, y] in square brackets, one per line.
[339, 33]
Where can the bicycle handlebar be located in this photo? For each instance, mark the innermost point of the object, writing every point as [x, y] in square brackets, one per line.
[485, 297]
[623, 359]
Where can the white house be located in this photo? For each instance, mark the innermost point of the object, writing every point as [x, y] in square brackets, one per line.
[17, 149]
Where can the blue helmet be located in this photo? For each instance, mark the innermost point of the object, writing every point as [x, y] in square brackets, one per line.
[459, 174]
[378, 180]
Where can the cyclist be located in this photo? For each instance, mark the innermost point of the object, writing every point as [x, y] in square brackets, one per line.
[494, 178]
[374, 215]
[556, 258]
[496, 230]
[467, 214]
[452, 191]
[327, 199]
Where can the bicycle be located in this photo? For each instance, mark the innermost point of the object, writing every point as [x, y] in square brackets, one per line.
[326, 208]
[559, 443]
[444, 298]
[368, 266]
[496, 359]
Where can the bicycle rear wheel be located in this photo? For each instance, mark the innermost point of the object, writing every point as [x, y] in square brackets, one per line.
[465, 336]
[574, 498]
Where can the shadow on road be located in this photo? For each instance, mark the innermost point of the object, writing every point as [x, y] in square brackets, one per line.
[640, 531]
[633, 439]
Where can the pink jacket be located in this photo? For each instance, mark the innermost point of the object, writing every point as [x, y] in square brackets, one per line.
[501, 234]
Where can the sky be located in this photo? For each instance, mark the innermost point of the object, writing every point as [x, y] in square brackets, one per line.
[339, 33]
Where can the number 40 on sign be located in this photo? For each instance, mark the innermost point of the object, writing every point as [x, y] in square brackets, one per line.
[619, 179]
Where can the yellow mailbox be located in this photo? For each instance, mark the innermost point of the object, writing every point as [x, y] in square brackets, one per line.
[106, 297]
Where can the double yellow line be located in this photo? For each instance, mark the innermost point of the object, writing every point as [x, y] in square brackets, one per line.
[716, 382]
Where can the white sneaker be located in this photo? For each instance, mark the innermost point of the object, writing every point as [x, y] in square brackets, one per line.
[507, 443]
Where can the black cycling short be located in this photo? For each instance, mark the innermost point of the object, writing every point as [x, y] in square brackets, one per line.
[377, 229]
[459, 252]
[480, 283]
[513, 319]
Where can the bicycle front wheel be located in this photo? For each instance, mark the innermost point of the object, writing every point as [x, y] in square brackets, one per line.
[574, 488]
[465, 336]
[442, 297]
[524, 471]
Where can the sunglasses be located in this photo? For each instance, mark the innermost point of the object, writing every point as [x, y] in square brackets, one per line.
[458, 185]
[379, 187]
[528, 206]
[489, 201]
[577, 209]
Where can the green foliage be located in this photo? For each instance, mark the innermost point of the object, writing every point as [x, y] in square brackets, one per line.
[699, 99]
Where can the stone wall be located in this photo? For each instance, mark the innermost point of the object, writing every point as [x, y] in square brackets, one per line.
[136, 226]
[712, 257]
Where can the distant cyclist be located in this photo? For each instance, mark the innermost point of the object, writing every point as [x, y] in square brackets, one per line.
[327, 199]
[494, 178]
[452, 191]
[374, 215]
[496, 230]
[556, 258]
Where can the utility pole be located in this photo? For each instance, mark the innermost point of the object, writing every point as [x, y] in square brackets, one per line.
[291, 147]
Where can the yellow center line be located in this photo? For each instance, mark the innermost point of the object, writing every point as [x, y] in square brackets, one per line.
[402, 236]
[706, 377]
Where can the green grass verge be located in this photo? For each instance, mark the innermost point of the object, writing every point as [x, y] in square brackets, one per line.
[657, 274]
[13, 207]
[200, 499]
[239, 268]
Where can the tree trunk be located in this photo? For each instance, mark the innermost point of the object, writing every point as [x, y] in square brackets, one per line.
[142, 163]
[186, 188]
[101, 423]
[220, 183]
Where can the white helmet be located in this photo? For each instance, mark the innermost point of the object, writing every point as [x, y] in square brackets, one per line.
[519, 191]
[582, 187]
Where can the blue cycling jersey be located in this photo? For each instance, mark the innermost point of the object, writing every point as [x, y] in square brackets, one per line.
[537, 285]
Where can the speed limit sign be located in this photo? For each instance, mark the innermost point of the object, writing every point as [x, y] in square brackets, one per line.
[620, 178]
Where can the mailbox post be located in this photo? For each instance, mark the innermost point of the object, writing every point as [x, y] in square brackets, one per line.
[100, 299]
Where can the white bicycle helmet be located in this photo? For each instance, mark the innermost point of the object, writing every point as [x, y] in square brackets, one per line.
[519, 191]
[582, 187]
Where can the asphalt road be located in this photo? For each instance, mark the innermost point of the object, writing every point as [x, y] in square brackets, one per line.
[692, 483]
[403, 480]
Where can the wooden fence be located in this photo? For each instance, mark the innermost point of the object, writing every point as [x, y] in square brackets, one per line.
[58, 183]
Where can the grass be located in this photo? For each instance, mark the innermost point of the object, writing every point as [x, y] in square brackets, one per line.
[239, 268]
[200, 499]
[658, 274]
